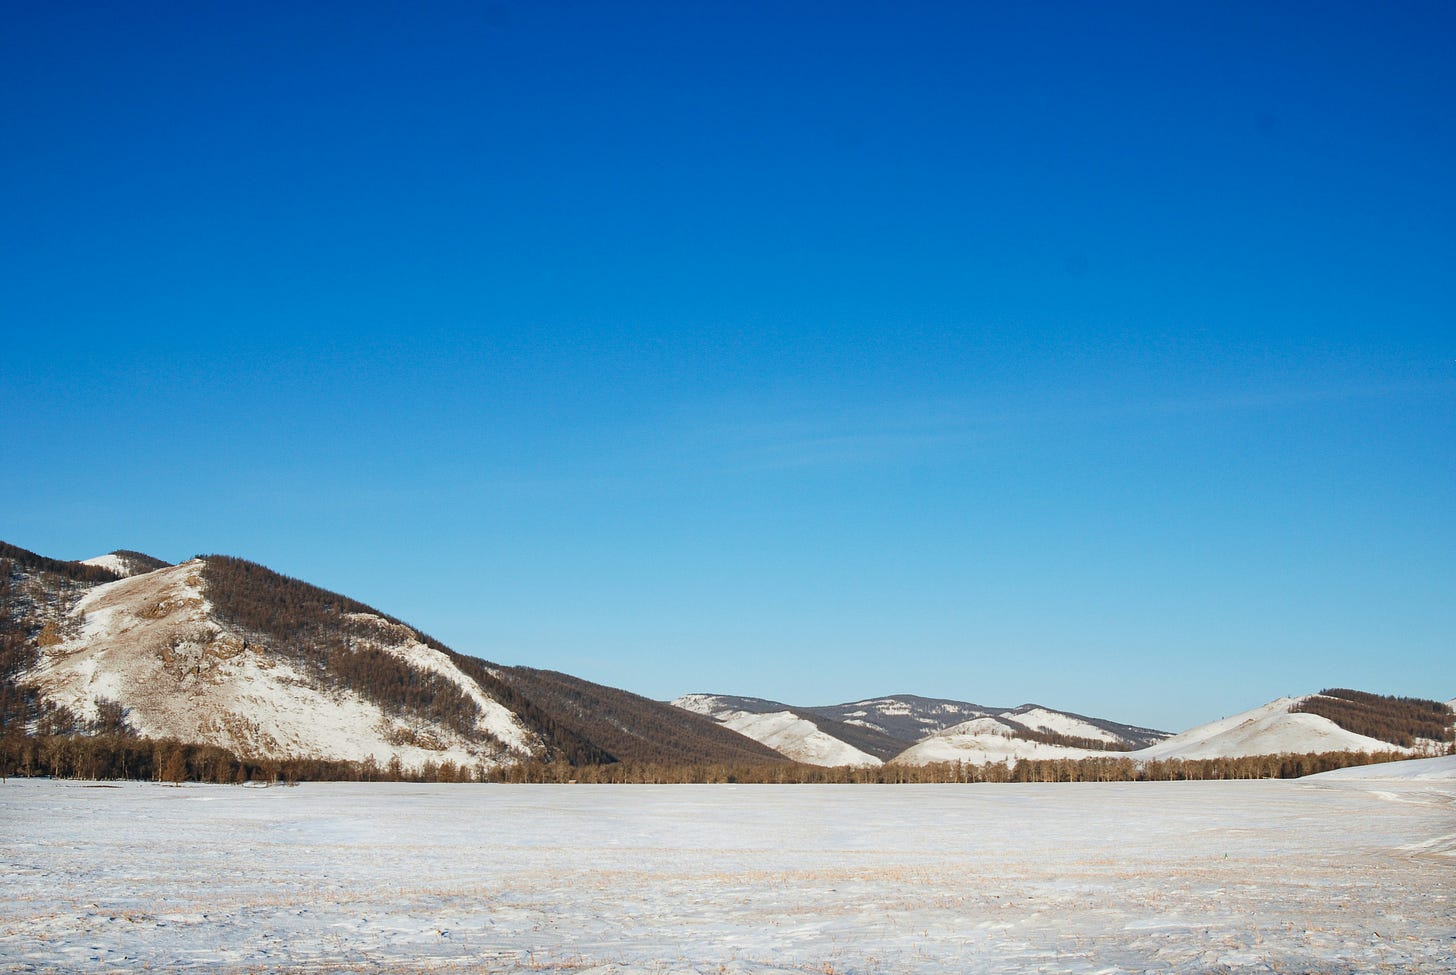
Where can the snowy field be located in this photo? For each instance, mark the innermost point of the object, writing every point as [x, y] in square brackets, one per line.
[1330, 876]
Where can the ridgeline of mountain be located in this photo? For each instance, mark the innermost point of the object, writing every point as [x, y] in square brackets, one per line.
[632, 728]
[221, 652]
[225, 652]
[887, 728]
[127, 563]
[802, 734]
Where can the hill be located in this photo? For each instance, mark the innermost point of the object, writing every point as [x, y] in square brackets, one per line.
[797, 734]
[223, 652]
[127, 563]
[632, 728]
[909, 729]
[1292, 725]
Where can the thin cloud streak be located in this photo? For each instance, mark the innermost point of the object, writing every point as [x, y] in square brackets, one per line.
[907, 432]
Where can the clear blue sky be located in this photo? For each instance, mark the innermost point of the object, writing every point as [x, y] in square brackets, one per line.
[1101, 355]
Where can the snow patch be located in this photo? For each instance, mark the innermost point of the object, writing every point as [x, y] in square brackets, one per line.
[1439, 769]
[111, 563]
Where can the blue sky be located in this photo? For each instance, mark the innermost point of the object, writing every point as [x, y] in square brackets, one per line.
[1097, 355]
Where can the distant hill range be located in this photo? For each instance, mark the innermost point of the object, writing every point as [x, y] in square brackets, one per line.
[882, 729]
[914, 730]
[224, 652]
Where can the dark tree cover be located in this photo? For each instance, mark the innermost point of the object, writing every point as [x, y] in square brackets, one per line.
[313, 627]
[1397, 720]
[562, 739]
[140, 561]
[867, 740]
[35, 593]
[633, 728]
[1134, 735]
[1099, 769]
[167, 760]
[29, 562]
[1047, 737]
[16, 652]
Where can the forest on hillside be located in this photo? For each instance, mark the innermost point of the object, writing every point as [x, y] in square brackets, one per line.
[633, 728]
[324, 632]
[35, 593]
[1396, 720]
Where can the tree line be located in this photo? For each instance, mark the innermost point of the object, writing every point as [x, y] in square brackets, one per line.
[113, 755]
[122, 756]
[1094, 769]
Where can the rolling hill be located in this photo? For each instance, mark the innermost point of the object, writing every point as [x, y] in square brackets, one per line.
[225, 652]
[906, 728]
[219, 651]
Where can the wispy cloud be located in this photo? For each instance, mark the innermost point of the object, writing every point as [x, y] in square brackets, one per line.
[762, 437]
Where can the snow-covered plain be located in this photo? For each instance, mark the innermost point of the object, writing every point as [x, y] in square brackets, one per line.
[1331, 877]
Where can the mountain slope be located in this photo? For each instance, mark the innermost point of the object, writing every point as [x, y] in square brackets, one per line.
[988, 739]
[1275, 728]
[226, 652]
[787, 731]
[632, 728]
[180, 667]
[127, 563]
[906, 728]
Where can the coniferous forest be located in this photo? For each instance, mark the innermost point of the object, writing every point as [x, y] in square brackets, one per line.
[1397, 720]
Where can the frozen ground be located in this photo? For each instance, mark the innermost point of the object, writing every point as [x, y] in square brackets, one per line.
[1338, 876]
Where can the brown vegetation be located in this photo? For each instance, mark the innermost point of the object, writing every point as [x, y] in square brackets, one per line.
[125, 756]
[321, 631]
[636, 729]
[1047, 737]
[1397, 720]
[1109, 769]
[35, 593]
[877, 743]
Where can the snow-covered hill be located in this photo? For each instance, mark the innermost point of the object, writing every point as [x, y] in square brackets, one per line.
[152, 644]
[1276, 728]
[912, 718]
[984, 740]
[906, 728]
[907, 717]
[787, 733]
[1441, 768]
[1271, 729]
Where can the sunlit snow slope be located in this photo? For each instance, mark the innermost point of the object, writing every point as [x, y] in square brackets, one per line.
[785, 732]
[1439, 769]
[1272, 729]
[984, 740]
[151, 644]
